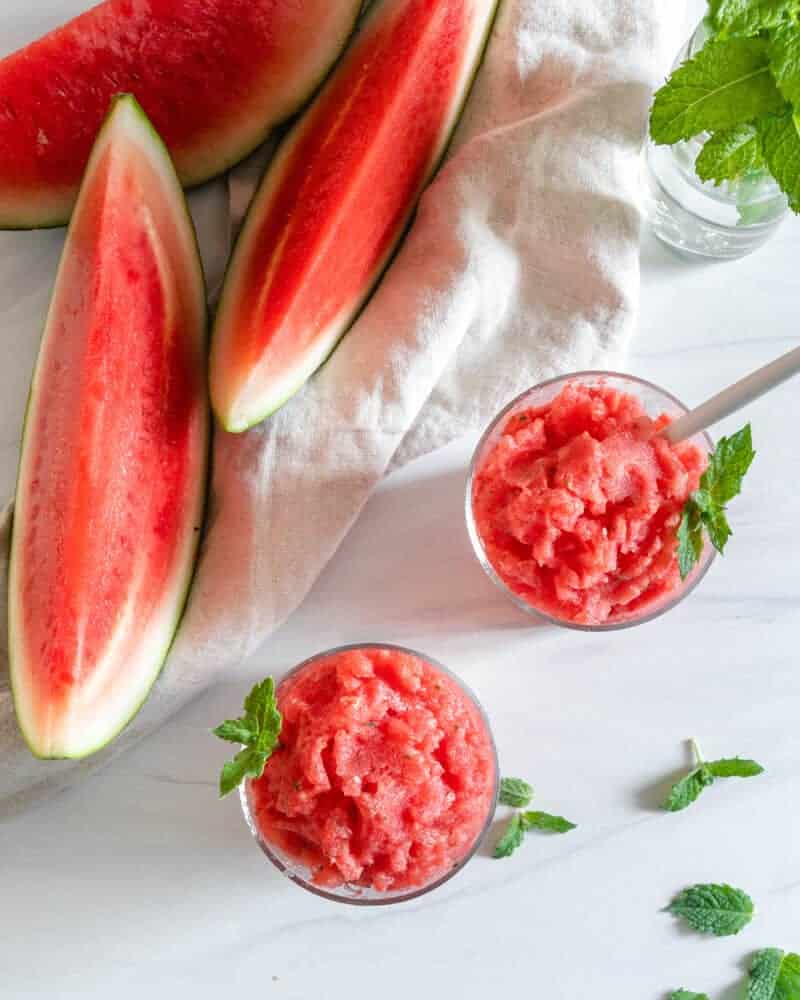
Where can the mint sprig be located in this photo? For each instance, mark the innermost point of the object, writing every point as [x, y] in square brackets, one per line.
[715, 909]
[706, 507]
[258, 730]
[684, 792]
[741, 91]
[518, 793]
[774, 975]
[687, 995]
[515, 792]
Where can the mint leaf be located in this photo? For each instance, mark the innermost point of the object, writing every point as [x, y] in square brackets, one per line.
[687, 995]
[749, 17]
[735, 767]
[729, 153]
[535, 820]
[258, 730]
[511, 839]
[684, 792]
[690, 540]
[705, 508]
[728, 466]
[714, 909]
[727, 83]
[780, 139]
[784, 61]
[774, 976]
[515, 792]
[246, 763]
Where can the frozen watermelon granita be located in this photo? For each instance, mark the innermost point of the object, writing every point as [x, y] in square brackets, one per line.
[385, 778]
[574, 500]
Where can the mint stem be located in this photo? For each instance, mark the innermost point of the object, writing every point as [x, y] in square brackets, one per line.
[698, 756]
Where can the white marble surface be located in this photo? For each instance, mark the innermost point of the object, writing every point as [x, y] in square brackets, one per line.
[142, 883]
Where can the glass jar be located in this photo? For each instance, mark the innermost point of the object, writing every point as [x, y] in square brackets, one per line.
[700, 218]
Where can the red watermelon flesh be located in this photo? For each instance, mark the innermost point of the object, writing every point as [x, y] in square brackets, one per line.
[112, 475]
[337, 198]
[214, 76]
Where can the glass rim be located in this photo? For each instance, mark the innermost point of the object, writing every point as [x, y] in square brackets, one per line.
[386, 898]
[698, 573]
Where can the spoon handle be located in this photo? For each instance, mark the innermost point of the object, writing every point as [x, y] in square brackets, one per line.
[734, 397]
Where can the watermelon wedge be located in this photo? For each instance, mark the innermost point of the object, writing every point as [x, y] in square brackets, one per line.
[214, 76]
[112, 473]
[338, 197]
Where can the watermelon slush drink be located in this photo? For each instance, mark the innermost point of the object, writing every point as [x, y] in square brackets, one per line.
[574, 500]
[385, 779]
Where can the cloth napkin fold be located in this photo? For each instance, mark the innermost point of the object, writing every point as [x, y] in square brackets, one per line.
[522, 263]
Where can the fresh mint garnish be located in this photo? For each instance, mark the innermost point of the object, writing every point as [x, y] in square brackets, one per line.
[774, 975]
[258, 730]
[534, 820]
[706, 507]
[684, 792]
[515, 792]
[518, 793]
[687, 995]
[714, 909]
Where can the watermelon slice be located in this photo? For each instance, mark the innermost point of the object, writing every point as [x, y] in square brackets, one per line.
[214, 76]
[337, 198]
[112, 474]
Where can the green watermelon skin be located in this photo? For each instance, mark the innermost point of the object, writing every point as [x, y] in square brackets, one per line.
[338, 197]
[214, 76]
[113, 468]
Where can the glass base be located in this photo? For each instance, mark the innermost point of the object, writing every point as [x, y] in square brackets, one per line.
[701, 220]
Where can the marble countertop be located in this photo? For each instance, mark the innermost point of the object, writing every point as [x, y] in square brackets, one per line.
[142, 883]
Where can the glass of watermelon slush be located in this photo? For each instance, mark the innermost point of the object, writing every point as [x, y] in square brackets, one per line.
[573, 501]
[385, 780]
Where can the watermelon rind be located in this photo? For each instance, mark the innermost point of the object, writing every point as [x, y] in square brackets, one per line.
[125, 113]
[315, 359]
[52, 210]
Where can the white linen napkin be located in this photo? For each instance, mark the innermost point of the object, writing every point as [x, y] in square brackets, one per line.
[522, 263]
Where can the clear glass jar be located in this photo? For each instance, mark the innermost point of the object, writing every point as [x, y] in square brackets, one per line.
[655, 401]
[359, 895]
[700, 218]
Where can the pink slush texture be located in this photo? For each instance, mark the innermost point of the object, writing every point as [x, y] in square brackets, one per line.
[578, 507]
[386, 772]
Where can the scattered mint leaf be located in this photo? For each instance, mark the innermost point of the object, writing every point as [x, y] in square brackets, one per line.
[515, 792]
[714, 909]
[687, 995]
[688, 789]
[749, 17]
[735, 767]
[774, 976]
[729, 154]
[727, 83]
[780, 139]
[534, 820]
[705, 508]
[784, 61]
[511, 839]
[258, 729]
[764, 971]
[684, 792]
